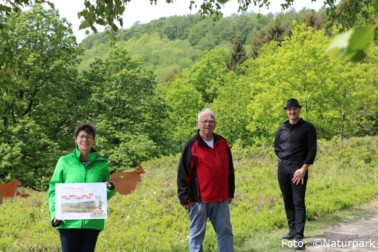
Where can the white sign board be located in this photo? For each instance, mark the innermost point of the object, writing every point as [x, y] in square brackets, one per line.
[81, 201]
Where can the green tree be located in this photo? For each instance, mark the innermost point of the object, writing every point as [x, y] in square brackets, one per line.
[238, 54]
[274, 33]
[199, 31]
[300, 68]
[207, 73]
[177, 29]
[127, 112]
[231, 109]
[37, 113]
[185, 102]
[314, 20]
[192, 90]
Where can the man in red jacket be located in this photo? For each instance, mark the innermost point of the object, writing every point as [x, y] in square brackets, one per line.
[206, 184]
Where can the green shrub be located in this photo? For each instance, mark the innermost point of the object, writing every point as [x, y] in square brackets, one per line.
[151, 219]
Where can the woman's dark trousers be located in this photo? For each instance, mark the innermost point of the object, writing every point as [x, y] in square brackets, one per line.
[78, 240]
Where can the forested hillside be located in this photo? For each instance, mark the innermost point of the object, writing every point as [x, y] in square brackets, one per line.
[144, 92]
[170, 45]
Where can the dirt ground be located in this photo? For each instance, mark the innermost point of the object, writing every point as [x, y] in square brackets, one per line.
[358, 235]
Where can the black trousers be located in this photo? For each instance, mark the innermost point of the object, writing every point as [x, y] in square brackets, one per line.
[293, 196]
[78, 240]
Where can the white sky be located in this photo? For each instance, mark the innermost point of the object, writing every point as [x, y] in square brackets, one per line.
[141, 10]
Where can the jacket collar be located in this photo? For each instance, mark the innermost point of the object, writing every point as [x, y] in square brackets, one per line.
[91, 156]
[298, 123]
[201, 142]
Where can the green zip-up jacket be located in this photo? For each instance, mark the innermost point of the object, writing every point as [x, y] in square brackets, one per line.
[69, 169]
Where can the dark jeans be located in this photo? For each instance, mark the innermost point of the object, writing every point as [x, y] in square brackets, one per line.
[293, 196]
[78, 240]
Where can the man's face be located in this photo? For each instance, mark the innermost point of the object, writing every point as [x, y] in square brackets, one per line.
[293, 113]
[206, 123]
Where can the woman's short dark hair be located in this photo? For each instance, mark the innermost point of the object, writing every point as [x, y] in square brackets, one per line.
[87, 127]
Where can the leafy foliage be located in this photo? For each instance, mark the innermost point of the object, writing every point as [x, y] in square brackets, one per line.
[238, 54]
[301, 68]
[138, 119]
[190, 91]
[34, 110]
[127, 112]
[165, 54]
[274, 33]
[353, 44]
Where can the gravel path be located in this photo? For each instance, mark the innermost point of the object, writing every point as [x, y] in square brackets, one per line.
[360, 235]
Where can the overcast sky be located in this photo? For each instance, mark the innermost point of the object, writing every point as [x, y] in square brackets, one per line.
[141, 10]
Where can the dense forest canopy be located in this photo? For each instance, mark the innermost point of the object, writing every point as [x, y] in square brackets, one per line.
[144, 91]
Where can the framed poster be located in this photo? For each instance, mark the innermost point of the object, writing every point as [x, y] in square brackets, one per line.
[80, 201]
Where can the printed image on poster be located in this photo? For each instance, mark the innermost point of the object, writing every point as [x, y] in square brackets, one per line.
[81, 201]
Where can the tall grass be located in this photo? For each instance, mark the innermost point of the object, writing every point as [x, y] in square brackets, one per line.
[151, 219]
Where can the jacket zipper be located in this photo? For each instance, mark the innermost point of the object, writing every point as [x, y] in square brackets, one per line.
[85, 180]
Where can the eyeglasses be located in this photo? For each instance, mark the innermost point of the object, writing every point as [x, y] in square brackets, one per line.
[85, 137]
[207, 121]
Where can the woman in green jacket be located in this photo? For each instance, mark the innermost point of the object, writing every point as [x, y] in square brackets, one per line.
[83, 165]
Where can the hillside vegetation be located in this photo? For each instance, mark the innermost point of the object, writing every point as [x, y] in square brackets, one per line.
[171, 45]
[344, 175]
[144, 92]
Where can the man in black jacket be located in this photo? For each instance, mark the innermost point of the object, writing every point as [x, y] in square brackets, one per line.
[295, 146]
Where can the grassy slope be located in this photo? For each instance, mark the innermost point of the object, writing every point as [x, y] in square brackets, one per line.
[151, 219]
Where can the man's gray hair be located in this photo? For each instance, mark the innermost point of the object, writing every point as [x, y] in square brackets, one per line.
[206, 110]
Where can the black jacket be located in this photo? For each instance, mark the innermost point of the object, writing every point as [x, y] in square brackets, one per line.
[296, 142]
